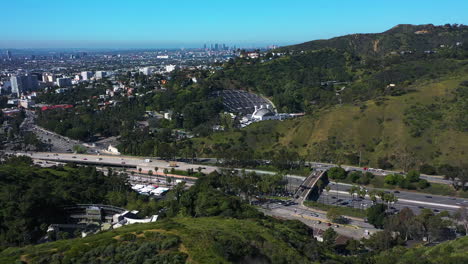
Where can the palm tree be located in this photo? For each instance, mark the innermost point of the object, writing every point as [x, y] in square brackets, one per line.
[165, 174]
[328, 191]
[156, 173]
[150, 174]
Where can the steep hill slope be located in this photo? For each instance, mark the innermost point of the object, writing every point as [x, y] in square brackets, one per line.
[426, 125]
[452, 252]
[217, 240]
[399, 38]
[183, 240]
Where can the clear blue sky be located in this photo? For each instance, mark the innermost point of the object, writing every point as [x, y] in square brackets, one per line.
[190, 23]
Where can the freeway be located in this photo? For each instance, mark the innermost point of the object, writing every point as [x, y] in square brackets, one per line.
[138, 162]
[413, 200]
[115, 161]
[379, 172]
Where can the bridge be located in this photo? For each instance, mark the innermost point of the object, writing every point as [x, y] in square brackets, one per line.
[305, 188]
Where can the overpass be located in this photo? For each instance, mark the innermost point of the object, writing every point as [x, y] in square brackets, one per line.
[304, 190]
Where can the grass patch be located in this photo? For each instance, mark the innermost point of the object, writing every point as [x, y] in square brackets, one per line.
[347, 211]
[277, 198]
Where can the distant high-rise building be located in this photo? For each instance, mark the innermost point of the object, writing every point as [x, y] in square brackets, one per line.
[64, 82]
[23, 83]
[49, 77]
[147, 70]
[204, 46]
[8, 53]
[86, 75]
[100, 74]
[216, 46]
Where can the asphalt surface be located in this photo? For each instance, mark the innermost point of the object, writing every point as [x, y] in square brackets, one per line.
[317, 219]
[413, 200]
[57, 143]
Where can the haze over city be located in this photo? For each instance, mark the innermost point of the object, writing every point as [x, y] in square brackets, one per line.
[190, 24]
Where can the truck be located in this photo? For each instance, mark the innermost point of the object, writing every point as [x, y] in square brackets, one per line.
[147, 160]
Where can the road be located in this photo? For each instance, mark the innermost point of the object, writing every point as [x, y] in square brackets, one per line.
[317, 219]
[57, 143]
[304, 189]
[379, 172]
[139, 162]
[413, 200]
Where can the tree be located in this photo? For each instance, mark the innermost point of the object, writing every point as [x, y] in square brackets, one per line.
[327, 189]
[380, 241]
[353, 246]
[150, 174]
[329, 237]
[334, 215]
[462, 217]
[413, 176]
[337, 173]
[376, 215]
[79, 149]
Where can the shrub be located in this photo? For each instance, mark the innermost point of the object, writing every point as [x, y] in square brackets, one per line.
[337, 173]
[427, 169]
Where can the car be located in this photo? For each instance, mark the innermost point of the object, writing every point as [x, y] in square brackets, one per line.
[85, 159]
[123, 162]
[421, 207]
[328, 224]
[435, 210]
[74, 157]
[427, 196]
[333, 197]
[396, 191]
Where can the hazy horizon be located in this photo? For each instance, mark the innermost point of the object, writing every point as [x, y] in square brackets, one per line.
[148, 24]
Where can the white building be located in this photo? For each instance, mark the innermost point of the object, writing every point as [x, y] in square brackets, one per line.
[86, 75]
[147, 70]
[263, 113]
[170, 68]
[100, 74]
[113, 150]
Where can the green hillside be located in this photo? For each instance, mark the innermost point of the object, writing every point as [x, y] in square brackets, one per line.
[453, 252]
[426, 125]
[307, 76]
[217, 240]
[181, 240]
[399, 38]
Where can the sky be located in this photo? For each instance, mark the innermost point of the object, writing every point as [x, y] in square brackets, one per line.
[191, 23]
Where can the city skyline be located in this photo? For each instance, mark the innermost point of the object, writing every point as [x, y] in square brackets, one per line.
[162, 24]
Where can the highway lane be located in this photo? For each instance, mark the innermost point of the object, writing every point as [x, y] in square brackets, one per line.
[413, 200]
[379, 172]
[324, 165]
[409, 195]
[134, 162]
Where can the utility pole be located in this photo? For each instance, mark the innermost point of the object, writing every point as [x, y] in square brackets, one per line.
[360, 154]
